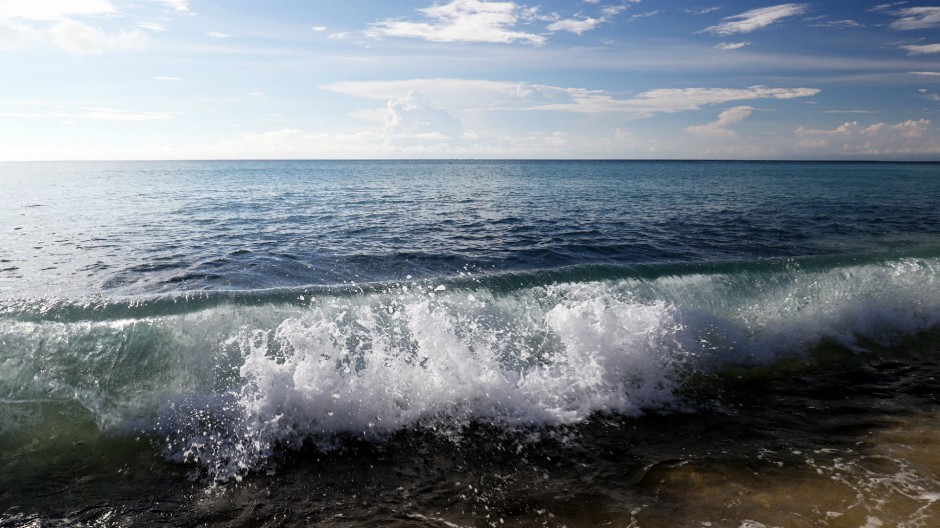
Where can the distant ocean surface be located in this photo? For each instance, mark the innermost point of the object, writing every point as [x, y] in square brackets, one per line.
[470, 343]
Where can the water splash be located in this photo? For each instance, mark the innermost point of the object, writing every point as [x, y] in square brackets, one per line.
[225, 385]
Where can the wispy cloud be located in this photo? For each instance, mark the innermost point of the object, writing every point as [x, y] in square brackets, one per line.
[718, 129]
[319, 28]
[219, 35]
[105, 114]
[96, 114]
[53, 9]
[417, 115]
[464, 94]
[461, 21]
[885, 7]
[152, 26]
[81, 39]
[837, 24]
[610, 11]
[922, 49]
[756, 19]
[15, 35]
[576, 26]
[853, 138]
[646, 14]
[586, 23]
[928, 95]
[67, 25]
[917, 18]
[167, 78]
[701, 10]
[925, 73]
[180, 6]
[671, 100]
[731, 45]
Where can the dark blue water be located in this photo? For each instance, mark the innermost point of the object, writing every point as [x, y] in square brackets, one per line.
[130, 228]
[578, 342]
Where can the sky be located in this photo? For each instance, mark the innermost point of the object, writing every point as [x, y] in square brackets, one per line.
[364, 79]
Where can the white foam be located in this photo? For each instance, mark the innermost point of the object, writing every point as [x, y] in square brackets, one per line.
[224, 386]
[367, 366]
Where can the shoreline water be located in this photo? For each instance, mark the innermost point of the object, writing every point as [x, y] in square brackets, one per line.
[839, 438]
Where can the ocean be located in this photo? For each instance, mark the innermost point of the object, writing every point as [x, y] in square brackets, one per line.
[470, 343]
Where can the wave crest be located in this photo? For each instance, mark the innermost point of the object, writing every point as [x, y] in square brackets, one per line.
[225, 385]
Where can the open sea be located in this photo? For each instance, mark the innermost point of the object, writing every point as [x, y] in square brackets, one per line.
[470, 343]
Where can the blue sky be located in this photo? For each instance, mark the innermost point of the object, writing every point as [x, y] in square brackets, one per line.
[211, 79]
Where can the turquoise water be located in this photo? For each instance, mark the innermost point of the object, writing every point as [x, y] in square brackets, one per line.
[507, 342]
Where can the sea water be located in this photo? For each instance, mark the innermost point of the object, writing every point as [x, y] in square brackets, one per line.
[470, 343]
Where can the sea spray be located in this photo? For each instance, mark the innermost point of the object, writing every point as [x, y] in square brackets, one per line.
[228, 384]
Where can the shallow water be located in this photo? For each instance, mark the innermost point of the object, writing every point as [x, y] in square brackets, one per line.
[834, 439]
[470, 344]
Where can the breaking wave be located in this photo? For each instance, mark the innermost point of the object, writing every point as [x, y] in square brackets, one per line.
[225, 380]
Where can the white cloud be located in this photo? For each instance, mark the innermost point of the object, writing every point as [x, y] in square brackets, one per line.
[461, 21]
[917, 18]
[219, 35]
[580, 25]
[295, 143]
[838, 24]
[81, 39]
[576, 26]
[731, 45]
[95, 114]
[670, 100]
[718, 129]
[180, 6]
[854, 138]
[24, 23]
[646, 14]
[104, 114]
[925, 73]
[319, 28]
[452, 95]
[922, 49]
[167, 78]
[152, 26]
[14, 35]
[701, 10]
[756, 19]
[342, 35]
[885, 7]
[415, 115]
[53, 9]
[466, 94]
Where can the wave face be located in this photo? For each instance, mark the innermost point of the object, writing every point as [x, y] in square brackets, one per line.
[225, 380]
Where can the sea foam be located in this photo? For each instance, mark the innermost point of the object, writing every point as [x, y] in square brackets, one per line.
[227, 385]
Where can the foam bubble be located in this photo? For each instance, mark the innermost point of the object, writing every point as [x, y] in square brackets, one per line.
[367, 366]
[224, 386]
